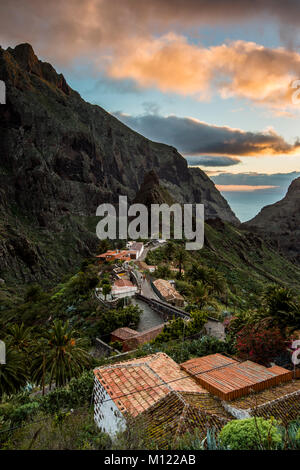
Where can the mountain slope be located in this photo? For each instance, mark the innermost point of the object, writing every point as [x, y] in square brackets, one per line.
[61, 157]
[280, 223]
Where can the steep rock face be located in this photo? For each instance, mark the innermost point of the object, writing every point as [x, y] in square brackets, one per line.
[280, 223]
[151, 191]
[61, 157]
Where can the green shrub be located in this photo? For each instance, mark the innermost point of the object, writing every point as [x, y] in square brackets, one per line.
[250, 434]
[76, 393]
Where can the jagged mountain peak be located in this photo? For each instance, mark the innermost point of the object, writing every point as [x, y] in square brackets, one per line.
[280, 222]
[61, 157]
[23, 57]
[152, 192]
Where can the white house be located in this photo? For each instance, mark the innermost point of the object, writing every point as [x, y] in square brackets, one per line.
[128, 389]
[138, 248]
[107, 416]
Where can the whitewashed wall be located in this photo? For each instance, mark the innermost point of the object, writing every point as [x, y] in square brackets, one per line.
[107, 416]
[237, 413]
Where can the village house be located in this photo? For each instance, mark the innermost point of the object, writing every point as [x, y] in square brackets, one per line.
[168, 399]
[146, 267]
[122, 255]
[167, 292]
[132, 339]
[123, 288]
[149, 387]
[114, 255]
[137, 248]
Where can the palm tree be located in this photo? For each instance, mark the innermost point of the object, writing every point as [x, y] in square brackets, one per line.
[21, 340]
[201, 294]
[180, 257]
[169, 250]
[280, 307]
[13, 374]
[214, 279]
[20, 337]
[63, 355]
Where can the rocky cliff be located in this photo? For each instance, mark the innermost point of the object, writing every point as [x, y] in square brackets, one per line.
[61, 157]
[280, 223]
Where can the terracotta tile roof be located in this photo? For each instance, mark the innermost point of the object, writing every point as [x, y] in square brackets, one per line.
[167, 290]
[206, 363]
[229, 379]
[136, 246]
[124, 333]
[115, 254]
[145, 266]
[123, 283]
[281, 402]
[286, 409]
[144, 381]
[176, 414]
[266, 396]
[165, 401]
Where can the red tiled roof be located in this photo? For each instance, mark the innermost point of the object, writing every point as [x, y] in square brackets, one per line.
[167, 290]
[115, 254]
[229, 379]
[123, 283]
[124, 333]
[206, 363]
[144, 381]
[136, 246]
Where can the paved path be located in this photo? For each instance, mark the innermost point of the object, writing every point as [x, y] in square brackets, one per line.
[147, 290]
[149, 248]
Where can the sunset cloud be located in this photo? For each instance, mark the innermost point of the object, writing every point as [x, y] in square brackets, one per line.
[147, 42]
[194, 137]
[238, 69]
[225, 188]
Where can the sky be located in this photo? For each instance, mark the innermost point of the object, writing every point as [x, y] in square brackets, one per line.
[216, 79]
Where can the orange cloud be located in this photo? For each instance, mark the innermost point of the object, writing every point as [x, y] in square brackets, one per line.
[241, 187]
[242, 69]
[132, 40]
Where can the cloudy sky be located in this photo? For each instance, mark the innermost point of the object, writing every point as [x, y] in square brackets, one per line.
[212, 78]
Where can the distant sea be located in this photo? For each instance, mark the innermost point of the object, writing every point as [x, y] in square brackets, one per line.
[247, 205]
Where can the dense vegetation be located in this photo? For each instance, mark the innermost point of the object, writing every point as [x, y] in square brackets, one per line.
[46, 384]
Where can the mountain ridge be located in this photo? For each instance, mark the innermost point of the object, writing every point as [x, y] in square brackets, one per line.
[279, 223]
[61, 157]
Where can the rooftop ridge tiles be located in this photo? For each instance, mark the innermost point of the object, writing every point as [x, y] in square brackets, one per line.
[279, 399]
[181, 418]
[129, 363]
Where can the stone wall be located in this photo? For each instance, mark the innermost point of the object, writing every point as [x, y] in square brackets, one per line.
[215, 328]
[104, 349]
